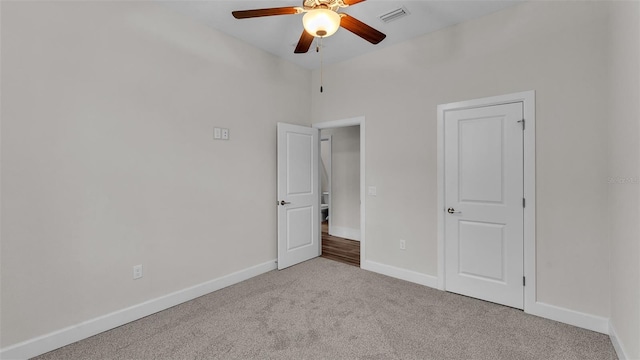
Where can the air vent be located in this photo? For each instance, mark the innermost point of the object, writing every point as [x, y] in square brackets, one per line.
[394, 14]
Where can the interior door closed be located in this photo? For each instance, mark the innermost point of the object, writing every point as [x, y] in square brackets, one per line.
[484, 203]
[298, 194]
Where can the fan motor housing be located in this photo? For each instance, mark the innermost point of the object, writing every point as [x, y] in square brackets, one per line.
[323, 4]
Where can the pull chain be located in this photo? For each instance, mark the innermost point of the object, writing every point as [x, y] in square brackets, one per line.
[318, 46]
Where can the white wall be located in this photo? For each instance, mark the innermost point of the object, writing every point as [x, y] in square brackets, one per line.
[345, 181]
[555, 48]
[624, 175]
[108, 161]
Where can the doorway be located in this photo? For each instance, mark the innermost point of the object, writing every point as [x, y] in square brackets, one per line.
[343, 234]
[340, 188]
[486, 199]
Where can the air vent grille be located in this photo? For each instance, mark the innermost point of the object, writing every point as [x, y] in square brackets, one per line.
[394, 14]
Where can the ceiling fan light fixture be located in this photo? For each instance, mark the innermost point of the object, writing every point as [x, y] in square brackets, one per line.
[321, 22]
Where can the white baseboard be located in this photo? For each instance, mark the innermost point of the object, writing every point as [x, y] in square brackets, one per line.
[344, 232]
[617, 345]
[571, 317]
[45, 343]
[402, 274]
[563, 315]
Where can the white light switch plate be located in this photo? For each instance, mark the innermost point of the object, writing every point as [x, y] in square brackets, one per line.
[372, 191]
[217, 133]
[137, 272]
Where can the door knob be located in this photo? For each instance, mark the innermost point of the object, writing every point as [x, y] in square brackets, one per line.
[282, 202]
[452, 211]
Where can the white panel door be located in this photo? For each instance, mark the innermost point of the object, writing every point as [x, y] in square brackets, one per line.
[298, 194]
[484, 203]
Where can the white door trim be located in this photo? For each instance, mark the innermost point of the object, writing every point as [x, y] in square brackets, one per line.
[329, 169]
[360, 120]
[528, 100]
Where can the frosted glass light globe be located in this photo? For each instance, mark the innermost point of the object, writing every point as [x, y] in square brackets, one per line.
[321, 22]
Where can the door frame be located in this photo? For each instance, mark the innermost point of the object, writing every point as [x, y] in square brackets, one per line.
[527, 98]
[360, 120]
[328, 138]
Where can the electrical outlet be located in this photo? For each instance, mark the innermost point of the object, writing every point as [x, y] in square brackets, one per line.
[225, 134]
[137, 272]
[403, 245]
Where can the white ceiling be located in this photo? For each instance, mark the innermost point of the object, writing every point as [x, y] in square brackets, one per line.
[279, 34]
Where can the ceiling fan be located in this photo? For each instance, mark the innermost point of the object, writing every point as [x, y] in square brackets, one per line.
[321, 19]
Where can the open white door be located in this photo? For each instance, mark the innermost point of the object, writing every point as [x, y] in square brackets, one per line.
[298, 194]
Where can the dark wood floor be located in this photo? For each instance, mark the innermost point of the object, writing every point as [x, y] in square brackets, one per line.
[339, 249]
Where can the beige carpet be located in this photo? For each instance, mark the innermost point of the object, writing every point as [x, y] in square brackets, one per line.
[322, 309]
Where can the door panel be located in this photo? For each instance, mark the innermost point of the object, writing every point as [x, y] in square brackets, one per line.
[299, 227]
[484, 189]
[481, 247]
[299, 170]
[480, 153]
[299, 189]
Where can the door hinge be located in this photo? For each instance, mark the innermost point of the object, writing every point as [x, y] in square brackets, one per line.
[524, 281]
[522, 122]
[524, 203]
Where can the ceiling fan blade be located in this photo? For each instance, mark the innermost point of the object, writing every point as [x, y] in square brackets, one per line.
[352, 2]
[304, 43]
[245, 14]
[361, 29]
